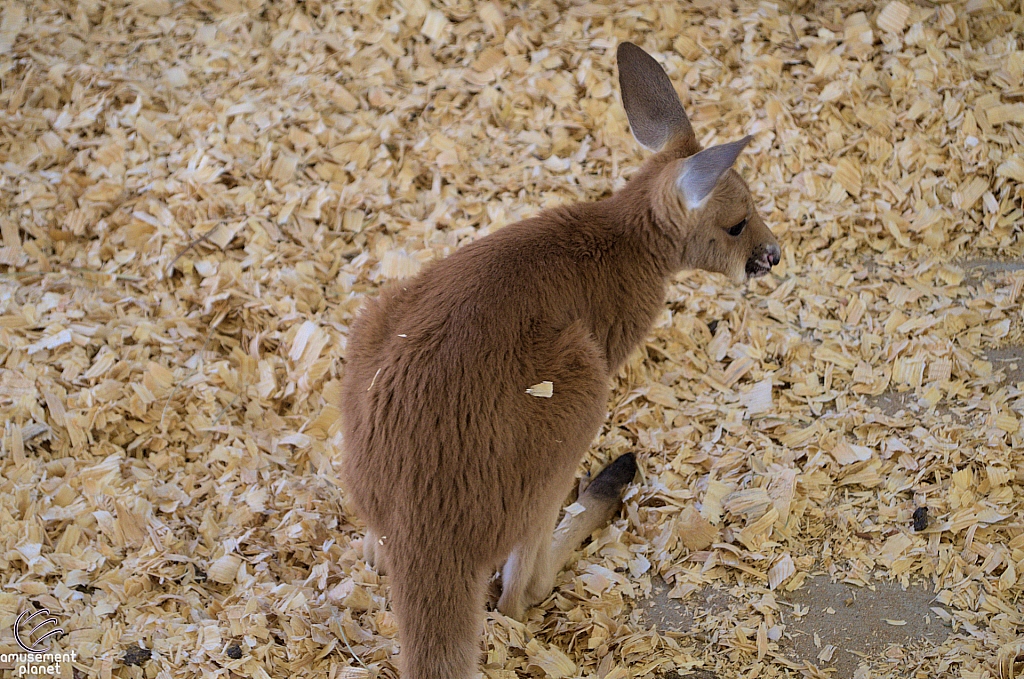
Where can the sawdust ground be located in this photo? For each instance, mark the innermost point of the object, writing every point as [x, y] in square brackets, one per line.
[822, 612]
[864, 624]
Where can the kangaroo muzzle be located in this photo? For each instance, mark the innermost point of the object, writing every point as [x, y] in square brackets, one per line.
[763, 260]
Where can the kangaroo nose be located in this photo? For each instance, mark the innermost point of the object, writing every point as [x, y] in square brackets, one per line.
[774, 254]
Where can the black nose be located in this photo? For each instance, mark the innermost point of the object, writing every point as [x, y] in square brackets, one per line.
[774, 254]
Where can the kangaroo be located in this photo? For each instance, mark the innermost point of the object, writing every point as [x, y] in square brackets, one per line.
[456, 468]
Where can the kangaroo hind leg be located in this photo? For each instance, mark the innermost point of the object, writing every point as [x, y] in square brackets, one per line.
[373, 551]
[519, 581]
[601, 501]
[529, 574]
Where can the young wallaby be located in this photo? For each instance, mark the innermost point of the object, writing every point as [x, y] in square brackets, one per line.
[455, 468]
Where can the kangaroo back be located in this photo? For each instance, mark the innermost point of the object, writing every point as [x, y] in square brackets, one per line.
[458, 466]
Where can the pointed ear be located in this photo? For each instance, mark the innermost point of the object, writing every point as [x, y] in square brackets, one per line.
[651, 103]
[702, 171]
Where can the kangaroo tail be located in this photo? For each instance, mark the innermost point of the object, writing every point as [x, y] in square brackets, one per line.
[439, 604]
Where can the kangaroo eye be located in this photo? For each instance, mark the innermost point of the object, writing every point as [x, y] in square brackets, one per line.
[738, 229]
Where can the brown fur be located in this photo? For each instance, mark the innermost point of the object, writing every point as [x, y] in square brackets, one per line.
[453, 466]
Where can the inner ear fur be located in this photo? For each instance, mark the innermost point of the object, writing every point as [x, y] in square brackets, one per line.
[652, 106]
[700, 172]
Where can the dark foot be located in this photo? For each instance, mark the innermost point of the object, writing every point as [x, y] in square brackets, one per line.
[612, 481]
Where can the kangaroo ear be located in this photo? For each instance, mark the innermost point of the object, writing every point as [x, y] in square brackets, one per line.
[652, 105]
[701, 171]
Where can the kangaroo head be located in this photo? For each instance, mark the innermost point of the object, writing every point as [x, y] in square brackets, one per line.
[695, 194]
